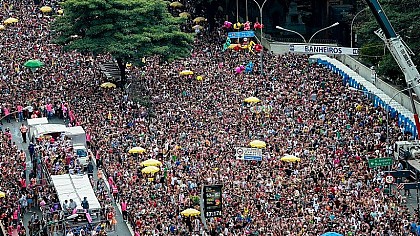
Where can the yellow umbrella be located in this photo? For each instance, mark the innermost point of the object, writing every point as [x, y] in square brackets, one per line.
[138, 150]
[290, 158]
[2, 27]
[186, 72]
[60, 11]
[199, 19]
[151, 162]
[176, 4]
[108, 85]
[45, 9]
[184, 14]
[190, 212]
[252, 100]
[11, 20]
[257, 144]
[199, 78]
[150, 170]
[2, 194]
[197, 26]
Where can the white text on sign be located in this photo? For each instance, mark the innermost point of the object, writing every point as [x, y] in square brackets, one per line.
[322, 49]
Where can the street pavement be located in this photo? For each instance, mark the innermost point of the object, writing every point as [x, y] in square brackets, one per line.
[121, 227]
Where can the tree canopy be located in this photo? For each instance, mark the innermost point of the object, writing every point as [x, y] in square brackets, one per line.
[404, 16]
[127, 29]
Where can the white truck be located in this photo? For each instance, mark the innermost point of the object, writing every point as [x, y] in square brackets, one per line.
[77, 136]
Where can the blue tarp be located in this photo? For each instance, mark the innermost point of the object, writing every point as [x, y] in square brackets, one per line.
[405, 117]
[331, 234]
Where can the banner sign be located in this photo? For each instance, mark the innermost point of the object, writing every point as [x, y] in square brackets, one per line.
[322, 49]
[248, 154]
[242, 34]
[212, 195]
[378, 162]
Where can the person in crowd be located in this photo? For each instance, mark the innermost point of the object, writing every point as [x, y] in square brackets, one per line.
[66, 207]
[23, 131]
[193, 127]
[85, 204]
[72, 206]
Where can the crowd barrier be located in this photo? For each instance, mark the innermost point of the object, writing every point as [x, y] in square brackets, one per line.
[350, 77]
[3, 229]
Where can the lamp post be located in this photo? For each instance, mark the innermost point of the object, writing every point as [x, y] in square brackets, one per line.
[387, 129]
[416, 118]
[261, 33]
[292, 31]
[351, 25]
[310, 39]
[333, 25]
[387, 111]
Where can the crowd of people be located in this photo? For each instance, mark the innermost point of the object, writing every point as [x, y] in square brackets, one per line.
[193, 126]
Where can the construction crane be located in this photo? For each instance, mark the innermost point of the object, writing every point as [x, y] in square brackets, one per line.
[400, 51]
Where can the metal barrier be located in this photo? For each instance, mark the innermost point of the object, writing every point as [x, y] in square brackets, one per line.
[3, 230]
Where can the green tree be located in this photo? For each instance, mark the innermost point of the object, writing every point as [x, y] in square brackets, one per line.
[404, 16]
[127, 29]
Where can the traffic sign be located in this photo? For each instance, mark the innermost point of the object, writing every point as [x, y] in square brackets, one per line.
[378, 162]
[408, 186]
[401, 173]
[248, 154]
[389, 179]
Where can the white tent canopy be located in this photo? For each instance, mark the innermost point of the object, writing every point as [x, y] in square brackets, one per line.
[43, 129]
[75, 130]
[77, 134]
[75, 187]
[37, 121]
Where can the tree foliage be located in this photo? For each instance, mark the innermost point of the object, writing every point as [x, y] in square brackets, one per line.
[127, 29]
[404, 16]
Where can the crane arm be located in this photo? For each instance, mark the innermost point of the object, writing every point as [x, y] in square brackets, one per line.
[399, 51]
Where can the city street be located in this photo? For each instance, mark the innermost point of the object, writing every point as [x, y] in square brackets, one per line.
[121, 228]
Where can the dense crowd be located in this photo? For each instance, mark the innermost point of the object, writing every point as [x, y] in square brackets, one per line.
[194, 126]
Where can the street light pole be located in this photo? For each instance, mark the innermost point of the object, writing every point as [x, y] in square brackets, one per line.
[387, 129]
[261, 33]
[387, 111]
[304, 40]
[292, 31]
[387, 114]
[333, 25]
[351, 25]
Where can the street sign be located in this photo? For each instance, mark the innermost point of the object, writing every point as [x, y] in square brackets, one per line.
[248, 154]
[401, 173]
[322, 49]
[389, 179]
[241, 34]
[378, 162]
[408, 186]
[212, 201]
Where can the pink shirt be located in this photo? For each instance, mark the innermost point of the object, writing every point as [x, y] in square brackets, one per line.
[71, 115]
[88, 137]
[20, 108]
[49, 107]
[123, 206]
[64, 108]
[6, 111]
